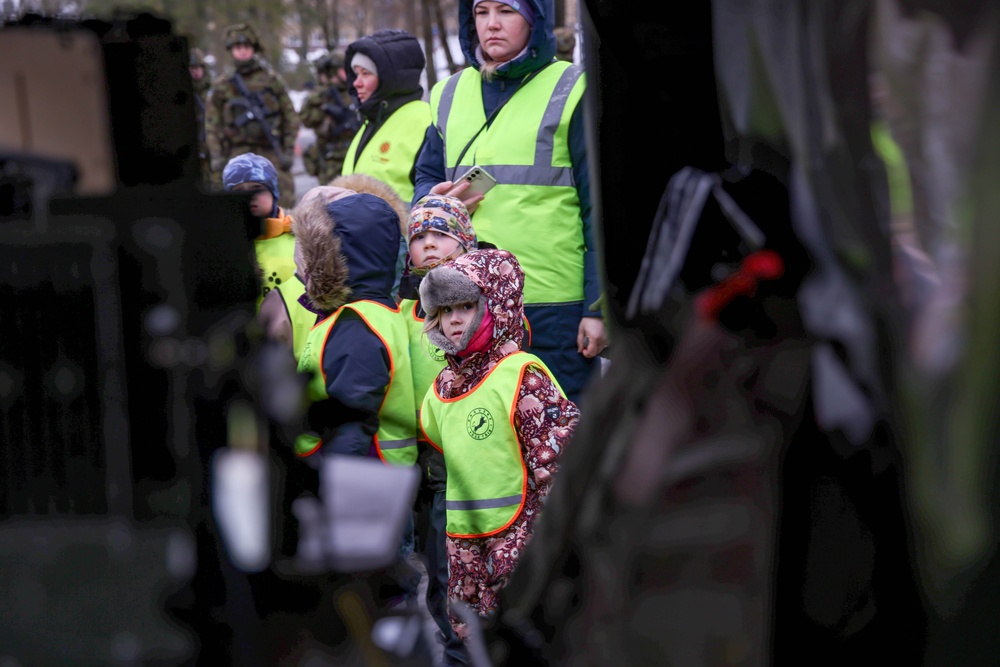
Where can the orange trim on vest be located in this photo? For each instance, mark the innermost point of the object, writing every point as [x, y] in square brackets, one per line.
[416, 308]
[520, 508]
[319, 443]
[477, 385]
[524, 465]
[510, 419]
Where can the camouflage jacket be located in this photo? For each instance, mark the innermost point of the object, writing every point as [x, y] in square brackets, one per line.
[230, 130]
[328, 111]
[202, 91]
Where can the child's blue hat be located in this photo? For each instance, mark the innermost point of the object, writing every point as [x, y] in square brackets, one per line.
[248, 168]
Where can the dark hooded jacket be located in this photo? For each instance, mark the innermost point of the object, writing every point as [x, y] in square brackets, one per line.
[400, 62]
[553, 327]
[347, 248]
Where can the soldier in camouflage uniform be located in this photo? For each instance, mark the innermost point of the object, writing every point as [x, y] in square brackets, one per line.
[232, 124]
[328, 111]
[202, 84]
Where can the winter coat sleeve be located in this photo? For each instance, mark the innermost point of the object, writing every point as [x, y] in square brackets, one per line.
[312, 113]
[545, 420]
[356, 366]
[289, 120]
[215, 136]
[592, 286]
[429, 167]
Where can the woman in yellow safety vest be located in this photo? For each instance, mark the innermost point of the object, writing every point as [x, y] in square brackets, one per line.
[517, 112]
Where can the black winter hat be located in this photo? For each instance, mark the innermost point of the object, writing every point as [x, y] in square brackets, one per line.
[400, 61]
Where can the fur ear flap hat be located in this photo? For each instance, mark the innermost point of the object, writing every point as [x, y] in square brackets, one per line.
[446, 287]
[442, 287]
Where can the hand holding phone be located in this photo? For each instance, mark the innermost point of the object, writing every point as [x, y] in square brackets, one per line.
[480, 182]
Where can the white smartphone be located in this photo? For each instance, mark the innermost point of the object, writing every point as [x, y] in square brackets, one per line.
[480, 180]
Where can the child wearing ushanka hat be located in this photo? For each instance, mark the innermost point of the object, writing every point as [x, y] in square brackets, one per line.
[497, 414]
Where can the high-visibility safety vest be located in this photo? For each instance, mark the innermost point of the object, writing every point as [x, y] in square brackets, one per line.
[395, 439]
[426, 358]
[526, 149]
[487, 477]
[301, 318]
[390, 154]
[275, 257]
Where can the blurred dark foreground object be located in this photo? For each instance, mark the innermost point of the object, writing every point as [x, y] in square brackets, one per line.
[740, 491]
[127, 301]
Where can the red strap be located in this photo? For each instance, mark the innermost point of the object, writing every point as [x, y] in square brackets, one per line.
[758, 266]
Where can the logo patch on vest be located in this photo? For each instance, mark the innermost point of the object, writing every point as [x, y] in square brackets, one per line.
[479, 424]
[384, 147]
[433, 351]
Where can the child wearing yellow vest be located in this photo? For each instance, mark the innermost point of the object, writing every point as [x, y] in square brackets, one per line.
[439, 230]
[357, 355]
[358, 352]
[499, 417]
[274, 249]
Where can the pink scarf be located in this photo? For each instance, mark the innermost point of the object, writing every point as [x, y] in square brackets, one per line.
[481, 339]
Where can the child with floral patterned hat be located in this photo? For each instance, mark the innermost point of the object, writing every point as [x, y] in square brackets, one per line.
[439, 230]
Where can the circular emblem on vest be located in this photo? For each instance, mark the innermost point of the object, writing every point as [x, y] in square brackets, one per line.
[433, 351]
[384, 147]
[479, 424]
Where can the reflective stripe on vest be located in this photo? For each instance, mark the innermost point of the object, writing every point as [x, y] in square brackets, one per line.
[275, 257]
[526, 148]
[487, 477]
[390, 154]
[395, 440]
[301, 318]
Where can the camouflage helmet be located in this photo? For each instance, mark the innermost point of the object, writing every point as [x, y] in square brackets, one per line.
[330, 63]
[242, 33]
[196, 58]
[565, 42]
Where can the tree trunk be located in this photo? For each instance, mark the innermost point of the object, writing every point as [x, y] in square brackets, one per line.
[411, 17]
[333, 37]
[425, 8]
[306, 14]
[443, 34]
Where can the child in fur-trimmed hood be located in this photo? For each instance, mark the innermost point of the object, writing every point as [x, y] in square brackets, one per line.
[495, 491]
[346, 248]
[357, 355]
